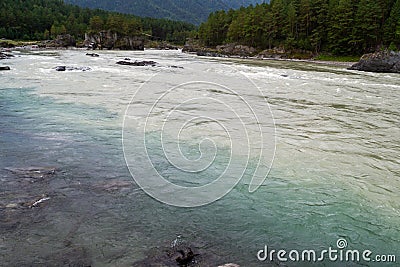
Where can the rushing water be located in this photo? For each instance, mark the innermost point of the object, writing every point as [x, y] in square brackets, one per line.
[336, 171]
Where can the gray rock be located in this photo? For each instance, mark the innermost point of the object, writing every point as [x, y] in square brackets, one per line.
[93, 55]
[383, 61]
[5, 55]
[111, 40]
[137, 63]
[236, 50]
[64, 40]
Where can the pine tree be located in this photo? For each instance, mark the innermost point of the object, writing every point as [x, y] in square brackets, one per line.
[340, 32]
[367, 29]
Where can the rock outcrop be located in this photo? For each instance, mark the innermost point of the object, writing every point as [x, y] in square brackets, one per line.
[228, 50]
[62, 41]
[111, 40]
[383, 61]
[236, 50]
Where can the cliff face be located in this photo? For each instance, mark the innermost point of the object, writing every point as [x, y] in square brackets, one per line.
[62, 41]
[110, 40]
[383, 61]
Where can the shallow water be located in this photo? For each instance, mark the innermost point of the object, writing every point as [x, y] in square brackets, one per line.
[335, 172]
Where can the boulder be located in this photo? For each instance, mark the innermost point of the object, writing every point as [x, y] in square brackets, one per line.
[138, 63]
[5, 55]
[93, 55]
[68, 68]
[5, 68]
[382, 61]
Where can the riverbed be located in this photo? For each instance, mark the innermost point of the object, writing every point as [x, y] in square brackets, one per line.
[329, 140]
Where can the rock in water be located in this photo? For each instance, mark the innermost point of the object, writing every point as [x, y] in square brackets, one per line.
[5, 68]
[93, 55]
[67, 68]
[137, 63]
[5, 56]
[383, 61]
[60, 68]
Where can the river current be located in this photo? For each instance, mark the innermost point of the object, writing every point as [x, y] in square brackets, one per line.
[332, 142]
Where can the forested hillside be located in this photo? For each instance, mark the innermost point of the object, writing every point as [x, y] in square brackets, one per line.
[193, 11]
[44, 19]
[343, 27]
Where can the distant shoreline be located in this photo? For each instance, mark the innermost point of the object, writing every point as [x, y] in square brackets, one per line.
[316, 61]
[253, 58]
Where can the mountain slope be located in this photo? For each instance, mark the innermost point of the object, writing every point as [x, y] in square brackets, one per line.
[193, 11]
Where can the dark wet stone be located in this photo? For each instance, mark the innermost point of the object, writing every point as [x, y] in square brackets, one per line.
[180, 254]
[37, 202]
[67, 68]
[138, 63]
[61, 68]
[5, 55]
[176, 67]
[5, 68]
[93, 55]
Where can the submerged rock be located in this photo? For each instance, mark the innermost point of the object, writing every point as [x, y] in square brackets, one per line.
[383, 61]
[138, 63]
[113, 186]
[182, 253]
[36, 202]
[33, 172]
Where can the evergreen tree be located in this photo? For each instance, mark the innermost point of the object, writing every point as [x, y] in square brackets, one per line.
[340, 32]
[367, 28]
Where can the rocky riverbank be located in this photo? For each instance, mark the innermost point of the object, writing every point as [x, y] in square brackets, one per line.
[382, 61]
[243, 51]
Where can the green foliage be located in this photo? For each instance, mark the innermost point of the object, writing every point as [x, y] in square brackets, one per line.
[43, 19]
[343, 27]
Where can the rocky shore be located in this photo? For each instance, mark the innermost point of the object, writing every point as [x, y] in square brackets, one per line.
[243, 51]
[382, 61]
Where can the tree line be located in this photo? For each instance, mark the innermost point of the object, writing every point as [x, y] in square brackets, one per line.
[341, 27]
[45, 19]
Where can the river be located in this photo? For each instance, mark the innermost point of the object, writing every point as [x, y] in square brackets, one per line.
[326, 140]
